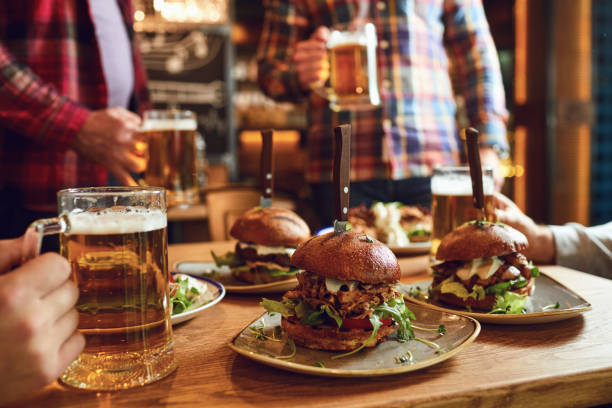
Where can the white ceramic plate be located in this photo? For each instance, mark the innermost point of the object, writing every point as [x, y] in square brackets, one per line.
[231, 284]
[217, 290]
[414, 248]
[376, 361]
[547, 292]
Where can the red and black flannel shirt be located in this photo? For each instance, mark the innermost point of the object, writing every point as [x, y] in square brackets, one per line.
[51, 76]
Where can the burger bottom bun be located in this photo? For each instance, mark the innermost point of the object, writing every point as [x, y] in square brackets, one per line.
[482, 304]
[257, 276]
[329, 338]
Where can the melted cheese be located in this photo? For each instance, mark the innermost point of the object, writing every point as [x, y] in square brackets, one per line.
[483, 267]
[268, 250]
[334, 285]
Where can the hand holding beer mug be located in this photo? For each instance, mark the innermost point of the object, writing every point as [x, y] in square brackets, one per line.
[172, 154]
[115, 239]
[353, 78]
[452, 202]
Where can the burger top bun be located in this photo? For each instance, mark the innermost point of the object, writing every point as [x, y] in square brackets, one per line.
[348, 256]
[480, 239]
[270, 226]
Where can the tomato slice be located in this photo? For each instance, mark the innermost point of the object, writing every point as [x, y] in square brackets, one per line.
[363, 324]
[170, 278]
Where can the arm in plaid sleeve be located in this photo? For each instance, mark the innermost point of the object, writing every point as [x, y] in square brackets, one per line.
[476, 69]
[35, 109]
[284, 25]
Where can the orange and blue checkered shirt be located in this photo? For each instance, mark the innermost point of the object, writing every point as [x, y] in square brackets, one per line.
[428, 52]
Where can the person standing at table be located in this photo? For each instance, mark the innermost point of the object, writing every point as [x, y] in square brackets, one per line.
[420, 44]
[69, 72]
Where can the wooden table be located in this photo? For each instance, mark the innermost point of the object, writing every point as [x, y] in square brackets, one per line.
[566, 363]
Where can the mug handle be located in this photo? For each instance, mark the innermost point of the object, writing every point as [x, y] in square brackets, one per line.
[32, 239]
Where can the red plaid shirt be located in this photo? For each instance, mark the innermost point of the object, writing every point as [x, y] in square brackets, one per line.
[420, 44]
[50, 78]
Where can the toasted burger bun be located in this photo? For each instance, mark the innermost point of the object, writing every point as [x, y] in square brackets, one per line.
[270, 226]
[331, 338]
[258, 275]
[480, 240]
[348, 256]
[482, 304]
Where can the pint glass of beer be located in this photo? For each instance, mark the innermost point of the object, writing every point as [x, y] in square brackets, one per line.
[352, 69]
[115, 239]
[452, 202]
[172, 154]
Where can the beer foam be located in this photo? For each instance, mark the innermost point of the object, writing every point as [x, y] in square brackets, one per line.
[125, 221]
[169, 124]
[458, 185]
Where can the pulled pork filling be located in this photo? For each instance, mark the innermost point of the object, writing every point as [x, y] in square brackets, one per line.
[503, 274]
[357, 303]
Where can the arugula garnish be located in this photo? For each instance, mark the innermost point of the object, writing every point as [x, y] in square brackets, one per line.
[500, 288]
[293, 350]
[403, 358]
[399, 312]
[183, 298]
[320, 364]
[553, 306]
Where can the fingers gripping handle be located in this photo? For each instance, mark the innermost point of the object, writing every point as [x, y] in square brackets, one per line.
[32, 239]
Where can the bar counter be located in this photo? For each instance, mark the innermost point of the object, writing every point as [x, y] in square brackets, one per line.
[567, 363]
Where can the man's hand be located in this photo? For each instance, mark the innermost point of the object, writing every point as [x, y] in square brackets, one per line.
[311, 61]
[107, 139]
[38, 325]
[541, 240]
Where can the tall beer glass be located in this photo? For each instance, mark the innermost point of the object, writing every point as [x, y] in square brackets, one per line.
[452, 203]
[172, 154]
[352, 68]
[115, 239]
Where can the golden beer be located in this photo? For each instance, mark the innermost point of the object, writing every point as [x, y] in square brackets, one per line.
[172, 154]
[450, 211]
[452, 201]
[119, 261]
[352, 68]
[349, 70]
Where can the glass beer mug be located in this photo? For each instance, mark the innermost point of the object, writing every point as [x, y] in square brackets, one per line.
[452, 202]
[172, 154]
[115, 239]
[353, 80]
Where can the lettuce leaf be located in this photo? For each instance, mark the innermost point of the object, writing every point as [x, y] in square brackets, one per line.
[500, 288]
[280, 272]
[285, 307]
[509, 303]
[230, 259]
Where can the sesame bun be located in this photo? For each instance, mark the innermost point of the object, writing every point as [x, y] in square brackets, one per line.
[270, 226]
[480, 240]
[348, 256]
[330, 338]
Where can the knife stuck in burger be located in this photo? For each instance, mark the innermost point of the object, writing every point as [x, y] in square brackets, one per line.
[267, 236]
[347, 296]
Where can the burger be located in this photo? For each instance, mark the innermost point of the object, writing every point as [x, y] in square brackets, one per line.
[267, 237]
[482, 268]
[347, 296]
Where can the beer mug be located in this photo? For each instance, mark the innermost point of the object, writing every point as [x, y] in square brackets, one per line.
[352, 68]
[172, 154]
[452, 203]
[115, 239]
